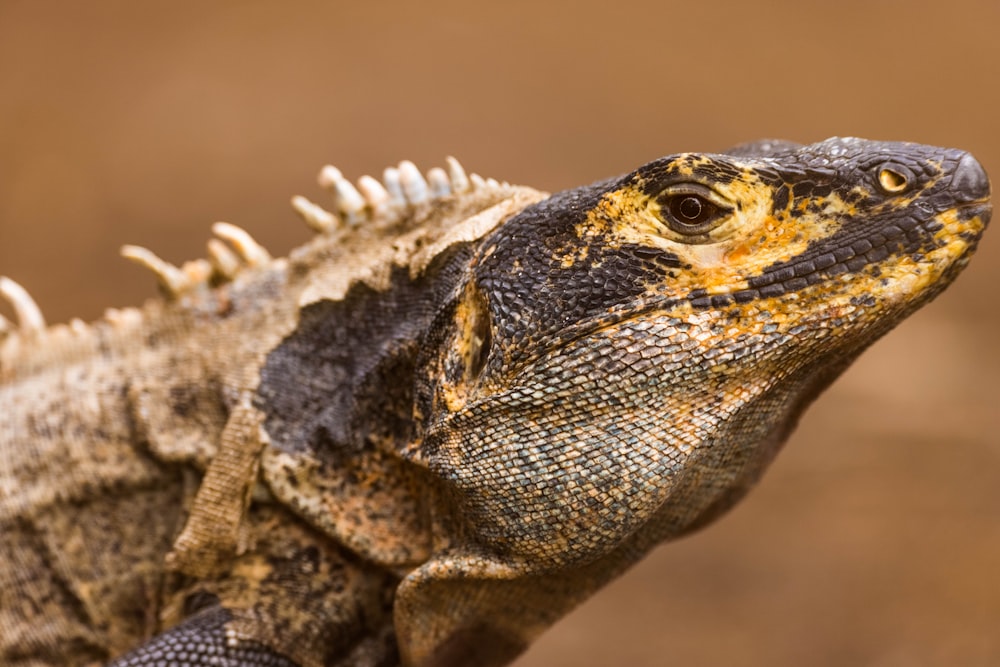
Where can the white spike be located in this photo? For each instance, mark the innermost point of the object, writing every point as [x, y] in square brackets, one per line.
[394, 186]
[414, 185]
[171, 278]
[58, 332]
[29, 316]
[438, 181]
[478, 183]
[328, 175]
[198, 271]
[251, 252]
[349, 200]
[224, 261]
[132, 316]
[121, 318]
[492, 183]
[375, 194]
[459, 180]
[78, 326]
[317, 217]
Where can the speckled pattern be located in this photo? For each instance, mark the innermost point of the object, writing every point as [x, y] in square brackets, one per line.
[423, 438]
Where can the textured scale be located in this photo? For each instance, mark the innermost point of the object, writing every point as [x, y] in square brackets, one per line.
[454, 414]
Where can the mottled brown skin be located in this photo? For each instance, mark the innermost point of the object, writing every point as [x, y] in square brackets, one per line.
[423, 439]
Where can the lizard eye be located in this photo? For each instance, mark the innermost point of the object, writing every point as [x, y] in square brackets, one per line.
[690, 209]
[690, 212]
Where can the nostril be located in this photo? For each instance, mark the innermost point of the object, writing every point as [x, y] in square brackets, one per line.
[892, 180]
[970, 181]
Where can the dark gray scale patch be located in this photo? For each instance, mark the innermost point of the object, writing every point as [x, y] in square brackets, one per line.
[717, 171]
[780, 199]
[763, 148]
[803, 189]
[199, 641]
[347, 370]
[658, 256]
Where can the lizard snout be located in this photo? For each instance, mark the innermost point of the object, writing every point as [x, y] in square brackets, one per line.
[969, 180]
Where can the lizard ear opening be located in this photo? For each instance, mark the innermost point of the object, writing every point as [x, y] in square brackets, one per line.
[473, 335]
[478, 334]
[466, 350]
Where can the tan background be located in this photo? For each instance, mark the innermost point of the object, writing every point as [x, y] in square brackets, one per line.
[874, 540]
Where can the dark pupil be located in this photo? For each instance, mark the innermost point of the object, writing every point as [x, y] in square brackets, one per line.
[690, 208]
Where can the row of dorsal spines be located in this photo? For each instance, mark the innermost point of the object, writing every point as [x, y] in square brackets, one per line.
[380, 203]
[232, 251]
[235, 249]
[30, 324]
[385, 202]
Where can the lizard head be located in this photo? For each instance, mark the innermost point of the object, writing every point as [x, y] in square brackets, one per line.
[626, 358]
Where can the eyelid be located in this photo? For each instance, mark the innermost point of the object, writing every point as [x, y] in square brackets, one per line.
[703, 233]
[698, 190]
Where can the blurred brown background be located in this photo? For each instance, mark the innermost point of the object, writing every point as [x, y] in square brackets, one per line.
[874, 540]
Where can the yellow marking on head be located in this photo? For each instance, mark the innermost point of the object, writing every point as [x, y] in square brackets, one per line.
[578, 253]
[749, 239]
[914, 274]
[685, 163]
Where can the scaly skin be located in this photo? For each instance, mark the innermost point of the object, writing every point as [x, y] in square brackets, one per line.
[423, 439]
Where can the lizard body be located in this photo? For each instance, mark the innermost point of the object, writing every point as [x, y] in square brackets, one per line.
[454, 414]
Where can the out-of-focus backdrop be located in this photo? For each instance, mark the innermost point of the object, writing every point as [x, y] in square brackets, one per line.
[874, 539]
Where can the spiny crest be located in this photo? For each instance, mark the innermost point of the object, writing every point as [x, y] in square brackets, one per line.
[230, 253]
[382, 203]
[385, 202]
[30, 325]
[402, 191]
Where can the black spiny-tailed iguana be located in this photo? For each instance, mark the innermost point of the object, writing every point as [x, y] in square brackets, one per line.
[455, 413]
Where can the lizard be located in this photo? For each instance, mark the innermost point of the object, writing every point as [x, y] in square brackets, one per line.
[455, 413]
